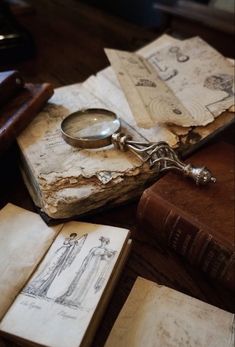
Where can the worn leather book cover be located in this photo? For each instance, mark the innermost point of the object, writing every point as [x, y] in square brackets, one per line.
[20, 109]
[197, 222]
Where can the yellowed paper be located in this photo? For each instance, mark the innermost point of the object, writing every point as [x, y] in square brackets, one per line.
[24, 239]
[63, 295]
[186, 83]
[157, 316]
[201, 78]
[150, 99]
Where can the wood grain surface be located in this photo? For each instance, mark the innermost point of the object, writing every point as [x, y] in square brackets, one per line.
[70, 38]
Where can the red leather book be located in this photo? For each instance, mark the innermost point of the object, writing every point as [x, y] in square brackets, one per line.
[197, 222]
[20, 109]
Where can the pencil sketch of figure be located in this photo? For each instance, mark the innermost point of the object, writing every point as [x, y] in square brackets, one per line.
[223, 82]
[61, 259]
[91, 275]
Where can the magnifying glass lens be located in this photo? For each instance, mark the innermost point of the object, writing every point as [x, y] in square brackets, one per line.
[90, 128]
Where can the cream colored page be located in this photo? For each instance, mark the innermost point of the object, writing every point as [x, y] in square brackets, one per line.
[116, 101]
[53, 160]
[156, 316]
[69, 181]
[150, 99]
[24, 239]
[62, 296]
[200, 77]
[66, 178]
[162, 40]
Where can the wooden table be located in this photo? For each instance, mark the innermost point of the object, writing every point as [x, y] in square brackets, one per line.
[70, 38]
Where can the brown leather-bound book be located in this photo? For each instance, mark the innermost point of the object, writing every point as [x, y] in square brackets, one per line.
[10, 83]
[19, 110]
[197, 222]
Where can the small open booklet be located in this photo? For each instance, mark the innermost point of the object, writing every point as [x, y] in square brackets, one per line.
[65, 181]
[55, 282]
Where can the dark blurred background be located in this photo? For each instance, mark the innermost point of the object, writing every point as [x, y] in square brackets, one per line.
[213, 20]
[147, 12]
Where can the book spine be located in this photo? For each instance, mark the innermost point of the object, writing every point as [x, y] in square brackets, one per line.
[10, 83]
[187, 237]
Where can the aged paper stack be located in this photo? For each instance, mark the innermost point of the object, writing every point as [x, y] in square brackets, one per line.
[55, 282]
[195, 85]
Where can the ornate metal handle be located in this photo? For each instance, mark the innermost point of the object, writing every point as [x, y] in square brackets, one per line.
[162, 157]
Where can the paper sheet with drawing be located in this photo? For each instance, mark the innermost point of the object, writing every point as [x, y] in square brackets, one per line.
[186, 83]
[159, 316]
[64, 293]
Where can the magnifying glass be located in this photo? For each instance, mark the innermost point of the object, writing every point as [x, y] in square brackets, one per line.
[97, 128]
[90, 128]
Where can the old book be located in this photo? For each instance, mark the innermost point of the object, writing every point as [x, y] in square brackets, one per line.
[65, 181]
[197, 223]
[10, 83]
[20, 109]
[158, 316]
[55, 282]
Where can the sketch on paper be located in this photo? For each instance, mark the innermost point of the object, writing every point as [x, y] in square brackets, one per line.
[61, 259]
[180, 56]
[164, 72]
[90, 277]
[222, 82]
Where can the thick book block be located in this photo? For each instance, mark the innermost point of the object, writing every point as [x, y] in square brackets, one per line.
[197, 222]
[19, 110]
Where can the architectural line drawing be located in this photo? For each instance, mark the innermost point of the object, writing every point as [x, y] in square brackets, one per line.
[90, 277]
[61, 259]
